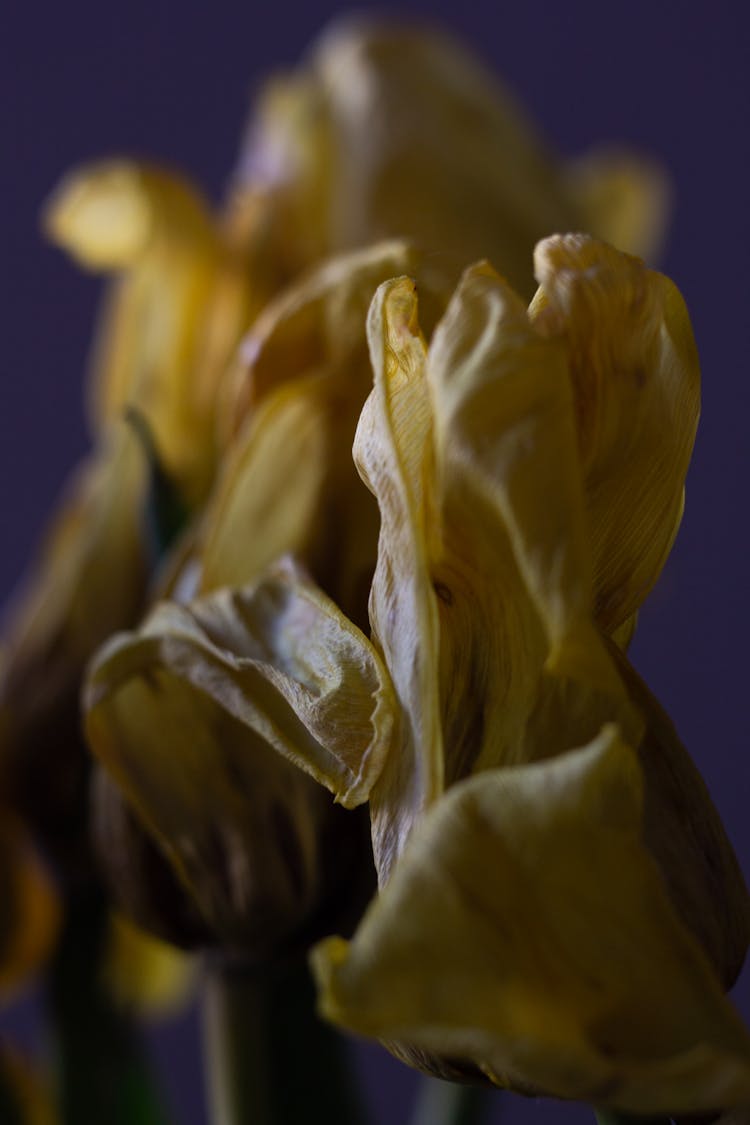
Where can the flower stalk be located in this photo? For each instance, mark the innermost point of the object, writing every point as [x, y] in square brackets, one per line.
[269, 1059]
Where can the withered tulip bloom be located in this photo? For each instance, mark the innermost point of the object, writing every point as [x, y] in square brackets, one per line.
[395, 131]
[182, 294]
[196, 716]
[517, 533]
[529, 469]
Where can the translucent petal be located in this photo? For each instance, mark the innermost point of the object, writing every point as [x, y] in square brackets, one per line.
[526, 930]
[636, 384]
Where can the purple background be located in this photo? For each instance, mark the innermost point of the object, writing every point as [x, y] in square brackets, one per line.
[173, 81]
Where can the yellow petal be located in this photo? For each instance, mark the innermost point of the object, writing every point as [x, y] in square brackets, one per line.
[319, 322]
[392, 450]
[481, 601]
[636, 384]
[526, 930]
[391, 131]
[203, 719]
[171, 318]
[291, 406]
[624, 198]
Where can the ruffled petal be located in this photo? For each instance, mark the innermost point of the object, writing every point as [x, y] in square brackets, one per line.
[393, 452]
[204, 716]
[527, 930]
[635, 378]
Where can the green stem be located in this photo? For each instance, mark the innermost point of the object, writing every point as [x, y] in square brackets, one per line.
[270, 1059]
[102, 1070]
[445, 1103]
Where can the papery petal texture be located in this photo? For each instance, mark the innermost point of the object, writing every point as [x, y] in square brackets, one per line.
[526, 928]
[636, 380]
[202, 719]
[482, 590]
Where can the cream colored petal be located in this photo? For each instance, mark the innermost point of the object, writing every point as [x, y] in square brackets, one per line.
[513, 549]
[281, 659]
[393, 452]
[482, 598]
[203, 718]
[636, 384]
[527, 930]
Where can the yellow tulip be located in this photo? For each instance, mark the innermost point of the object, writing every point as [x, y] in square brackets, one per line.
[493, 726]
[182, 296]
[529, 468]
[395, 131]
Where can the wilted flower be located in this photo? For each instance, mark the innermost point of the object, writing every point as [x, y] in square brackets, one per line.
[529, 470]
[288, 486]
[332, 161]
[392, 131]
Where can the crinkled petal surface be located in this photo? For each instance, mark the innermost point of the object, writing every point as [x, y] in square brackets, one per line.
[527, 930]
[482, 591]
[635, 376]
[203, 719]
